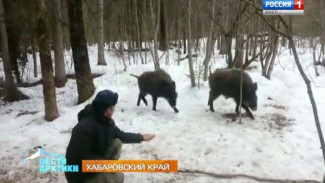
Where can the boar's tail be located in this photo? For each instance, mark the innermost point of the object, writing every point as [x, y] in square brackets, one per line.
[134, 75]
[210, 69]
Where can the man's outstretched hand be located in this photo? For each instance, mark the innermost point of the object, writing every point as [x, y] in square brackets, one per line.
[148, 137]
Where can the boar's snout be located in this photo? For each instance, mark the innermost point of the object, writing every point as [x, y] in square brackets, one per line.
[172, 99]
[253, 104]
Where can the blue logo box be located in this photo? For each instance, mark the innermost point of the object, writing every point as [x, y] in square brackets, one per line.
[278, 4]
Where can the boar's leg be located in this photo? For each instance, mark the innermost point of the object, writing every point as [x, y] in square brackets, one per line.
[154, 101]
[212, 97]
[248, 111]
[237, 105]
[211, 107]
[141, 97]
[144, 100]
[175, 109]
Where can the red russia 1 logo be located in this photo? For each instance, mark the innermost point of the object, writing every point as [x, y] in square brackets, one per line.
[299, 5]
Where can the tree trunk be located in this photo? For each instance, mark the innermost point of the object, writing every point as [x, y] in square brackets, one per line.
[224, 40]
[321, 17]
[184, 39]
[138, 30]
[208, 57]
[251, 40]
[101, 44]
[34, 56]
[314, 46]
[13, 26]
[60, 76]
[155, 33]
[10, 89]
[210, 45]
[228, 41]
[121, 48]
[84, 80]
[166, 33]
[218, 42]
[267, 60]
[190, 61]
[51, 110]
[146, 30]
[271, 38]
[262, 52]
[162, 35]
[65, 25]
[184, 30]
[196, 39]
[283, 42]
[179, 38]
[223, 45]
[239, 53]
[131, 35]
[31, 37]
[274, 54]
[256, 37]
[247, 50]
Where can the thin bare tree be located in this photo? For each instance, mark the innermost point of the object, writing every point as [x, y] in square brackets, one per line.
[11, 91]
[51, 110]
[190, 59]
[60, 76]
[101, 45]
[275, 47]
[210, 45]
[162, 27]
[179, 27]
[155, 31]
[138, 30]
[84, 78]
[13, 19]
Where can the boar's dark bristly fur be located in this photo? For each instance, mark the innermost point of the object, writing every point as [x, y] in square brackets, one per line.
[226, 82]
[158, 84]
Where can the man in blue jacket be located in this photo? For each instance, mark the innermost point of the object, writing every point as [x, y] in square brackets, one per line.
[96, 137]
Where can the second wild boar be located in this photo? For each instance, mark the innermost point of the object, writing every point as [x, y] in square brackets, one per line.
[226, 82]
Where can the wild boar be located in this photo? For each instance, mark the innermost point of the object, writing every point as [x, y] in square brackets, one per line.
[158, 84]
[226, 82]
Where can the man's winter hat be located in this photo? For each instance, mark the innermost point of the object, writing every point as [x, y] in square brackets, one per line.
[105, 99]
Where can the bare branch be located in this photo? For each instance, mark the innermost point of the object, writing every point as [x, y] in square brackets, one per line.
[259, 10]
[318, 22]
[222, 29]
[248, 62]
[255, 178]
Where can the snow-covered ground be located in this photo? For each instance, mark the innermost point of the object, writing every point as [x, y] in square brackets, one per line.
[282, 141]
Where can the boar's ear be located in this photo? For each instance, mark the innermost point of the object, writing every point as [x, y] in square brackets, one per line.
[174, 84]
[255, 86]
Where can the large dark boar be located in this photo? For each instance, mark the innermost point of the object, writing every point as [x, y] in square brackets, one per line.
[227, 82]
[158, 84]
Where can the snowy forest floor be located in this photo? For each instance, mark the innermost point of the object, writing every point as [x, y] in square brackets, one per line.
[281, 143]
